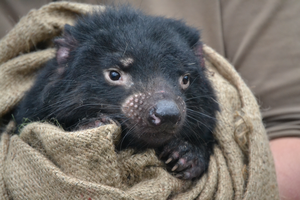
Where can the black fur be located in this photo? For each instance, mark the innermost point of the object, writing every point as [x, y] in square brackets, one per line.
[73, 90]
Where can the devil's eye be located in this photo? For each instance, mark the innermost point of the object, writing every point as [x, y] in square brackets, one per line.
[185, 79]
[114, 75]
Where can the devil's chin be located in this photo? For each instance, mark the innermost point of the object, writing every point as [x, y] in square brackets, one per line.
[154, 140]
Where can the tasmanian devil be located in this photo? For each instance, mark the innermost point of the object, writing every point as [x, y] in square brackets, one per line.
[145, 73]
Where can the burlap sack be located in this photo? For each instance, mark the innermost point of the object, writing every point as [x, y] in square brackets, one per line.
[45, 162]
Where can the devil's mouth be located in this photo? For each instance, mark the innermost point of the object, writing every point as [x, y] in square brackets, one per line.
[153, 138]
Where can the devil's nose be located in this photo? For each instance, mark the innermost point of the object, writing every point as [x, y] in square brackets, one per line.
[164, 112]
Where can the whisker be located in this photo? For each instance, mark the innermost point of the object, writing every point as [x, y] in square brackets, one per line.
[198, 121]
[197, 135]
[197, 113]
[127, 133]
[200, 96]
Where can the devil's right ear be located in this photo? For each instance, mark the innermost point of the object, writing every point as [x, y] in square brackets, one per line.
[65, 44]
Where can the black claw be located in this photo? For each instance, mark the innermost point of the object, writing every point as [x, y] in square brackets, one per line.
[169, 160]
[182, 164]
[178, 175]
[184, 159]
[175, 167]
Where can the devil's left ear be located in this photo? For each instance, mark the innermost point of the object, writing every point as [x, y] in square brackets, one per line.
[65, 44]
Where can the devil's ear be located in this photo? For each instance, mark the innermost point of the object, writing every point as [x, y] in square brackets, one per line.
[198, 50]
[191, 35]
[65, 44]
